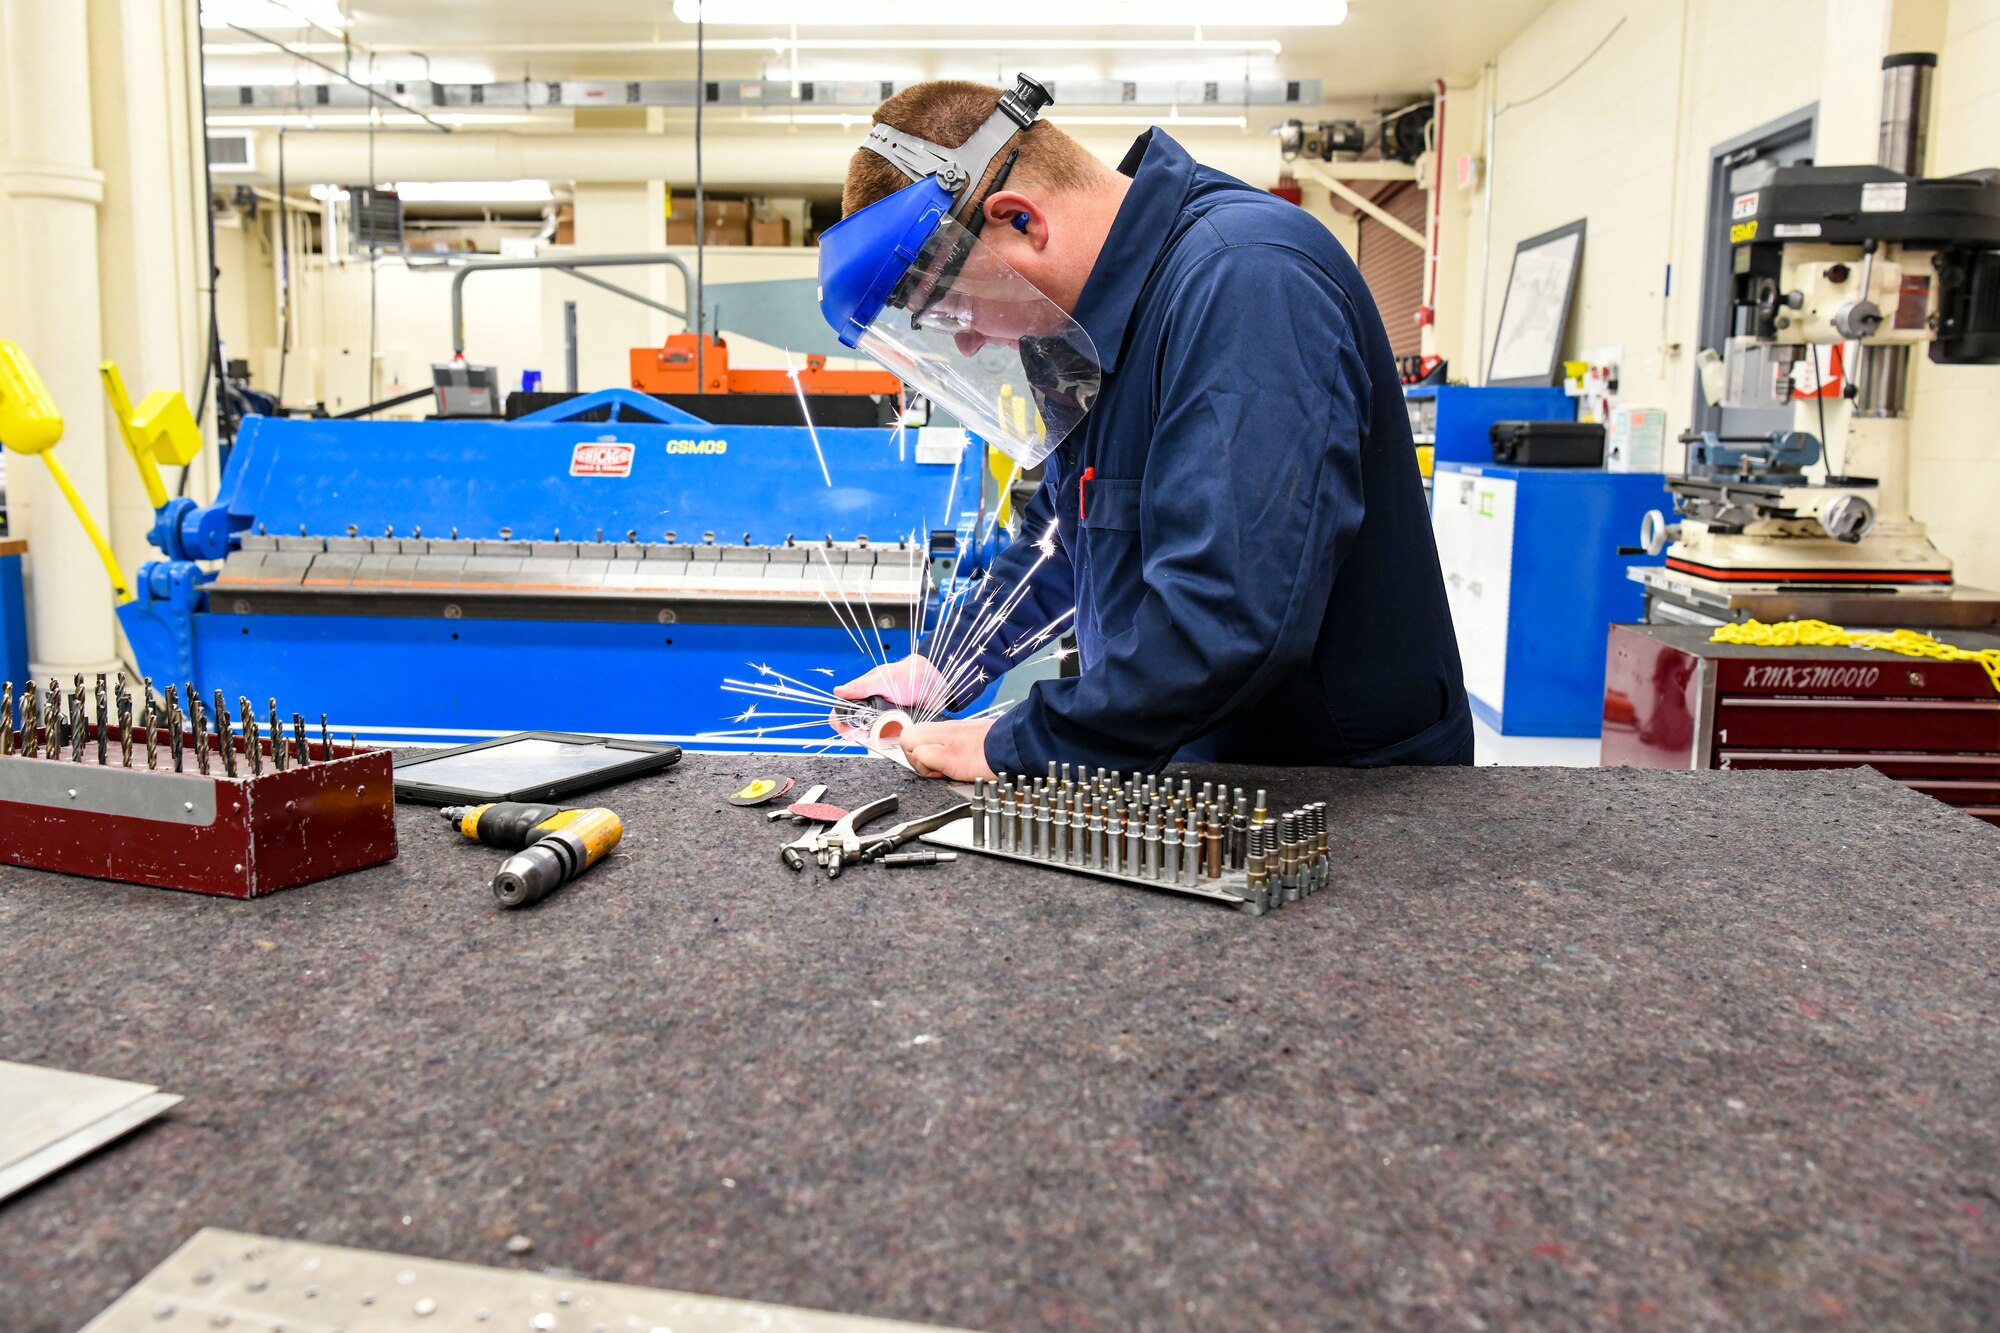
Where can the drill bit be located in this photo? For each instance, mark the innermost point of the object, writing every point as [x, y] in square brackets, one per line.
[224, 740]
[277, 738]
[7, 719]
[103, 720]
[199, 718]
[31, 711]
[76, 727]
[148, 719]
[325, 742]
[304, 755]
[174, 728]
[125, 730]
[253, 745]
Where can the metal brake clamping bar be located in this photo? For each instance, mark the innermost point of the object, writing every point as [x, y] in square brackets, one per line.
[911, 828]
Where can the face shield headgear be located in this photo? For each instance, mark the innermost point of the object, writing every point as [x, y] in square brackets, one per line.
[919, 293]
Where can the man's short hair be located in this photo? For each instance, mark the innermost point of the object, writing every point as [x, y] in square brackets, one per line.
[948, 112]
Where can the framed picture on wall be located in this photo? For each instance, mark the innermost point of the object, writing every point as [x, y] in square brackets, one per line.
[1528, 347]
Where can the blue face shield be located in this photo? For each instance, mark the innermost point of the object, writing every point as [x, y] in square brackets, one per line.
[906, 284]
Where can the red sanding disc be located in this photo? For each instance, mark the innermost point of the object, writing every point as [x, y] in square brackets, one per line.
[818, 813]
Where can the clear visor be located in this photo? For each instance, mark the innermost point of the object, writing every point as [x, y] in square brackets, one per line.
[969, 333]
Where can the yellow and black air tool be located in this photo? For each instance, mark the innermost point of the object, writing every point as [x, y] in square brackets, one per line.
[552, 844]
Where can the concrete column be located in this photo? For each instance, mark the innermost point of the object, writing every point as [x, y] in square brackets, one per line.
[53, 184]
[153, 244]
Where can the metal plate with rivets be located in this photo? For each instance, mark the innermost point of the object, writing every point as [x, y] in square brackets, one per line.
[254, 1284]
[136, 793]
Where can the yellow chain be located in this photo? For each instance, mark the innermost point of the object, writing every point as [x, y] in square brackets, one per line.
[1819, 634]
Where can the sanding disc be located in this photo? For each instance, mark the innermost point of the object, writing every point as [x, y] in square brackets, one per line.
[817, 812]
[761, 790]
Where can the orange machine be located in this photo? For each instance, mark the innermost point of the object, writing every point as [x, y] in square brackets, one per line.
[671, 370]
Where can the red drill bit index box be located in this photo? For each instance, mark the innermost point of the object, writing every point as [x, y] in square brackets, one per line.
[237, 837]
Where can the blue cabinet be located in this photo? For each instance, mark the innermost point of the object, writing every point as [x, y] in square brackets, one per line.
[1456, 419]
[13, 614]
[1534, 583]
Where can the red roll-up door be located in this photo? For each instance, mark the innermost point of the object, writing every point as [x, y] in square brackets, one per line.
[1391, 266]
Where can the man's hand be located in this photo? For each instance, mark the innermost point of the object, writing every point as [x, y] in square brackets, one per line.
[954, 750]
[910, 683]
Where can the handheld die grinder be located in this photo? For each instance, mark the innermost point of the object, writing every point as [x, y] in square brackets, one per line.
[552, 844]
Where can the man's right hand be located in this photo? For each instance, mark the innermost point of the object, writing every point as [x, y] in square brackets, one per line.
[912, 683]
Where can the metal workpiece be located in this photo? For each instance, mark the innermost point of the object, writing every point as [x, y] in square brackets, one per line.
[1096, 836]
[1239, 831]
[299, 740]
[1152, 837]
[1190, 856]
[1058, 848]
[1261, 811]
[1211, 836]
[979, 811]
[1052, 772]
[1043, 822]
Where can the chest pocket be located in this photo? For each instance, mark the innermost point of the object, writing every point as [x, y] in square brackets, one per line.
[1110, 505]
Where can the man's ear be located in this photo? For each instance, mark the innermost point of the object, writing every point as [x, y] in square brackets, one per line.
[1019, 214]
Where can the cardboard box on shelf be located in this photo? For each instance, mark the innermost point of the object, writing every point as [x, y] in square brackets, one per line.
[681, 232]
[712, 209]
[566, 224]
[771, 231]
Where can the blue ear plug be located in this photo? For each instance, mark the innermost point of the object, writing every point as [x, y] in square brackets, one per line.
[1020, 222]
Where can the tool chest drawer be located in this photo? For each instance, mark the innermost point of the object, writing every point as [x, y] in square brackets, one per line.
[1849, 724]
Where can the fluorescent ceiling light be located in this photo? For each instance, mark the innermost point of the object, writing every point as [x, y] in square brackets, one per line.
[273, 14]
[474, 192]
[361, 120]
[1020, 14]
[860, 118]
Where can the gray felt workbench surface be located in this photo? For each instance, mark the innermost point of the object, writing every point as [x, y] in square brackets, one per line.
[1566, 1048]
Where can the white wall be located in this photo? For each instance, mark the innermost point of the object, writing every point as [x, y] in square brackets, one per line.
[1624, 141]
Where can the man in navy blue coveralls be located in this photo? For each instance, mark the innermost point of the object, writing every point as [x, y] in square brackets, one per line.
[1240, 523]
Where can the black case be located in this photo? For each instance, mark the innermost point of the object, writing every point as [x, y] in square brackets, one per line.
[1548, 443]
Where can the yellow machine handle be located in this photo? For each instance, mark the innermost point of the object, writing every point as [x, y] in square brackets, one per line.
[30, 423]
[161, 430]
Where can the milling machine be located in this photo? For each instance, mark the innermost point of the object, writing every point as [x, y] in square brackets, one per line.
[1834, 266]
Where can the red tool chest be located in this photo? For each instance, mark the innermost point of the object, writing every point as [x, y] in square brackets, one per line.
[1673, 699]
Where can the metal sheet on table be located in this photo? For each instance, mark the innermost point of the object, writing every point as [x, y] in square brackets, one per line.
[51, 1117]
[1229, 889]
[256, 1284]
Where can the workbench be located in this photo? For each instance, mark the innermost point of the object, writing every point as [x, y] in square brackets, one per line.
[1561, 1048]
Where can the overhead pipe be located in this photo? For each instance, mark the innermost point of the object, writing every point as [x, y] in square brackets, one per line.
[569, 264]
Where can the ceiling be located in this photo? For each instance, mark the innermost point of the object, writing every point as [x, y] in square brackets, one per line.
[1384, 49]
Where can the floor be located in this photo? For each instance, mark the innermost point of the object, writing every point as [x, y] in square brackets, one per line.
[1490, 749]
